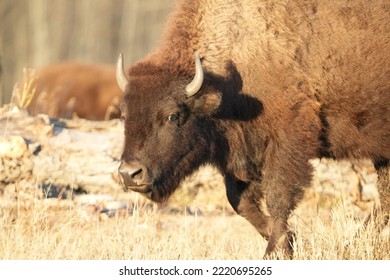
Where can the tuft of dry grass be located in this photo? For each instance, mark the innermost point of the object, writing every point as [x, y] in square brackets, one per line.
[24, 92]
[336, 238]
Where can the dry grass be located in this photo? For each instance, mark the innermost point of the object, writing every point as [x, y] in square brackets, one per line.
[50, 229]
[24, 92]
[46, 233]
[335, 237]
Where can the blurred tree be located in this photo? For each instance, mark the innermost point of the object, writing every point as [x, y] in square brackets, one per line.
[40, 32]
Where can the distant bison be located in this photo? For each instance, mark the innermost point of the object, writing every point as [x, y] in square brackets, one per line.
[86, 90]
[275, 83]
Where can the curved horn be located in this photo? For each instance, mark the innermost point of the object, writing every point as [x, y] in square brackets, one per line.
[120, 73]
[195, 85]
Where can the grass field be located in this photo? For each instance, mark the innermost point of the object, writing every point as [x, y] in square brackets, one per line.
[192, 225]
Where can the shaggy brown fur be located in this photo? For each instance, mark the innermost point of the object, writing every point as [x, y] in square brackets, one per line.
[286, 81]
[86, 90]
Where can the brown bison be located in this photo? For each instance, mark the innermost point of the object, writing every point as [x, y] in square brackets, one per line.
[275, 83]
[71, 88]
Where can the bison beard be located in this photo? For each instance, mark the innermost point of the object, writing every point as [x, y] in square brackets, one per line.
[273, 85]
[169, 179]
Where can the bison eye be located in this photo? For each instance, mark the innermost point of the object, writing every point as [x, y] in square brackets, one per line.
[173, 117]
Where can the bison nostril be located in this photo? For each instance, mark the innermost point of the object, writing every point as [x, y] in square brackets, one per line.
[137, 174]
[132, 174]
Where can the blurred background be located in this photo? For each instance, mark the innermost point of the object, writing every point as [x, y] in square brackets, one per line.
[41, 32]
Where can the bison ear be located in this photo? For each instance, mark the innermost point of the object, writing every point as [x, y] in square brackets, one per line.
[208, 103]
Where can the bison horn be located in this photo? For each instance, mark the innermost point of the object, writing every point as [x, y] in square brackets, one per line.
[195, 85]
[120, 73]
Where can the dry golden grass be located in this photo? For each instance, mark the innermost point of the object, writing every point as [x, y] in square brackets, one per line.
[197, 223]
[335, 237]
[24, 92]
[44, 233]
[49, 229]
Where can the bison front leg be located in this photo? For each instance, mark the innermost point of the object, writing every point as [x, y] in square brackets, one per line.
[279, 205]
[283, 190]
[245, 200]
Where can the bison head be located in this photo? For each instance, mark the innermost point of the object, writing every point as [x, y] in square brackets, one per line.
[174, 123]
[168, 129]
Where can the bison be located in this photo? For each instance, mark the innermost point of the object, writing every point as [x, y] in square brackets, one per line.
[66, 89]
[274, 83]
